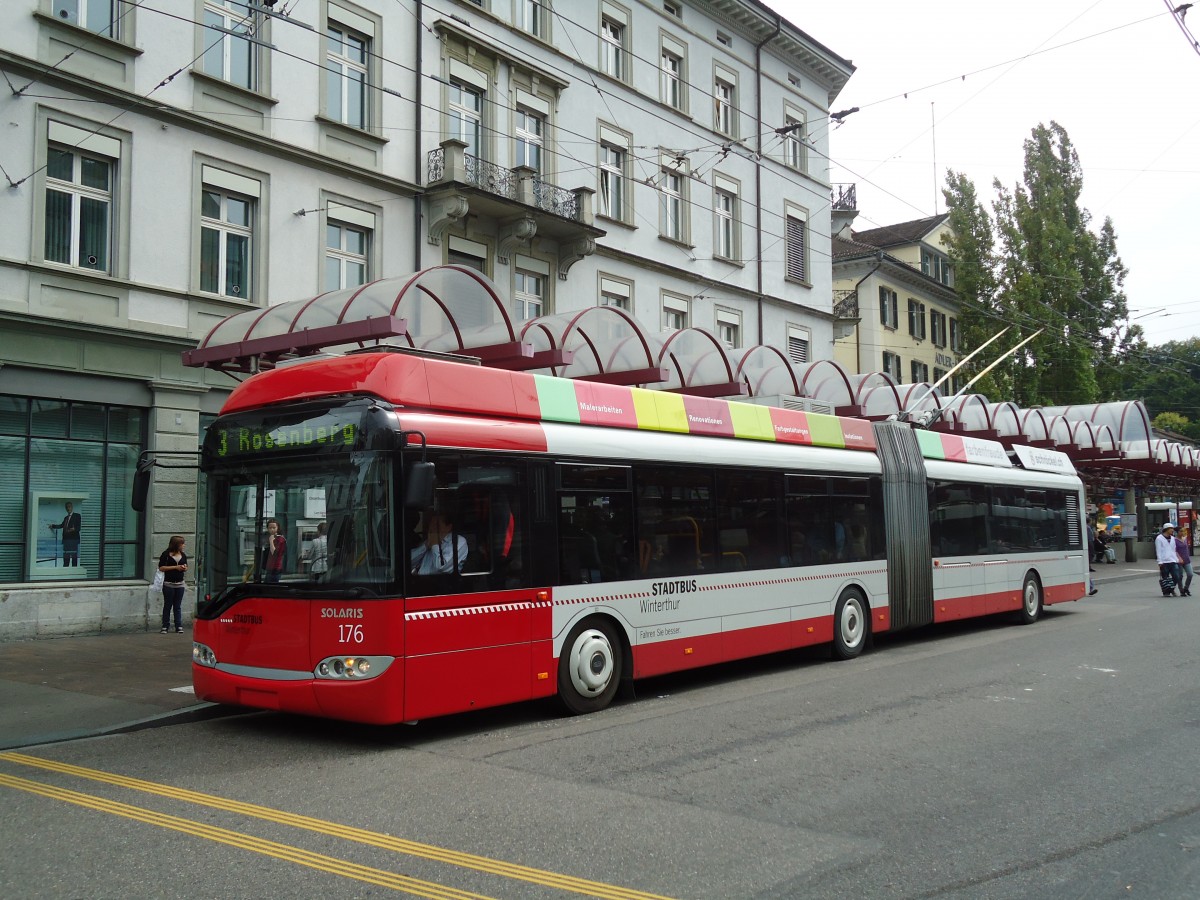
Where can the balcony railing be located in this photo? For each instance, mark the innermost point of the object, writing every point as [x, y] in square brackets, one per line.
[507, 183]
[844, 196]
[845, 304]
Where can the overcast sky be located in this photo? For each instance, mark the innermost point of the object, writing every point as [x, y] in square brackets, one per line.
[1119, 75]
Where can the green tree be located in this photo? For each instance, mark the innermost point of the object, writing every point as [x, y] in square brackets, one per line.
[971, 248]
[1046, 271]
[1167, 378]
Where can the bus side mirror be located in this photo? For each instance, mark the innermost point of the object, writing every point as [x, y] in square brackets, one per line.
[418, 491]
[141, 485]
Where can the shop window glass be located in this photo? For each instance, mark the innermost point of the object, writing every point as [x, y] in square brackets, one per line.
[50, 418]
[49, 465]
[87, 422]
[125, 424]
[14, 415]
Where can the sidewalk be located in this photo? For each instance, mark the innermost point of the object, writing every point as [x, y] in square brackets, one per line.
[65, 688]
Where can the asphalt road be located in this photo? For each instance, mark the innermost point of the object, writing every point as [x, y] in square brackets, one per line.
[974, 760]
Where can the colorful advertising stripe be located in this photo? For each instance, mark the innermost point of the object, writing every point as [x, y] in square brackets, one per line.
[956, 448]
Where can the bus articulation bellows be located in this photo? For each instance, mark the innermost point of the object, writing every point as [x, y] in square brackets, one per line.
[457, 537]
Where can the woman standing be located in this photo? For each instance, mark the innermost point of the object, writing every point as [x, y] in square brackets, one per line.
[173, 565]
[274, 551]
[319, 553]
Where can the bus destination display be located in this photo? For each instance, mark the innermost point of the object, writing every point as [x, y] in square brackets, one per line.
[336, 429]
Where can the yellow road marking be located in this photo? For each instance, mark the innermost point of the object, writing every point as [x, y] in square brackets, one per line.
[414, 886]
[359, 835]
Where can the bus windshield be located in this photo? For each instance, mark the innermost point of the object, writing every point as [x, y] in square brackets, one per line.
[314, 521]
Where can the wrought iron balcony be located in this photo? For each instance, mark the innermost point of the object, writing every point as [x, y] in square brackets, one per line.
[845, 304]
[502, 182]
[844, 196]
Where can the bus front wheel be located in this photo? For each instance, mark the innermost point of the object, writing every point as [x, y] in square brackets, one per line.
[589, 668]
[851, 621]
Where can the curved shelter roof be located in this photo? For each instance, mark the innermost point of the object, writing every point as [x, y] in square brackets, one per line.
[458, 310]
[968, 414]
[697, 364]
[823, 379]
[445, 308]
[603, 343]
[766, 370]
[1128, 420]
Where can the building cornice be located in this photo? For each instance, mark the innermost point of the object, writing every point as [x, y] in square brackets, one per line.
[900, 271]
[186, 118]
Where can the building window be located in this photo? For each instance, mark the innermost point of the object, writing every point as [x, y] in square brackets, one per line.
[891, 364]
[919, 370]
[347, 255]
[675, 313]
[724, 40]
[528, 295]
[954, 335]
[229, 53]
[534, 17]
[937, 328]
[79, 194]
[938, 374]
[916, 319]
[347, 75]
[616, 293]
[729, 328]
[612, 47]
[530, 128]
[797, 247]
[671, 79]
[725, 212]
[55, 452]
[671, 8]
[798, 341]
[226, 232]
[100, 16]
[793, 141]
[462, 252]
[613, 160]
[466, 116]
[889, 314]
[725, 107]
[936, 267]
[672, 224]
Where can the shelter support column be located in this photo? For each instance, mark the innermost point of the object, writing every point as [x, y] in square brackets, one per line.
[1140, 505]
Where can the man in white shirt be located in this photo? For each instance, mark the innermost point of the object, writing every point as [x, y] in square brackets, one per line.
[443, 551]
[1167, 558]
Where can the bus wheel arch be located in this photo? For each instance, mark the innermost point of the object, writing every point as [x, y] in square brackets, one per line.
[592, 664]
[851, 623]
[1032, 598]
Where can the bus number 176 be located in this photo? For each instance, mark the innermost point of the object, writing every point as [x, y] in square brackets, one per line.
[350, 634]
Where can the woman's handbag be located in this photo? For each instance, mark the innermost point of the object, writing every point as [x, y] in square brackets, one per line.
[156, 585]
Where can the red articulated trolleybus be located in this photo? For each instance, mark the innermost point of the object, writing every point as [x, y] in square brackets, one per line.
[450, 537]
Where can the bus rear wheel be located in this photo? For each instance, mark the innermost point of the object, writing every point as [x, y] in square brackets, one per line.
[1031, 600]
[589, 668]
[851, 621]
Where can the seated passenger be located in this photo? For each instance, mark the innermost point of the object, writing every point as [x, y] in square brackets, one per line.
[442, 551]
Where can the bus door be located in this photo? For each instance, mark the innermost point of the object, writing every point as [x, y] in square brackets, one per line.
[958, 534]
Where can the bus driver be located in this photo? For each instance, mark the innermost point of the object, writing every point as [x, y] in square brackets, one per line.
[442, 551]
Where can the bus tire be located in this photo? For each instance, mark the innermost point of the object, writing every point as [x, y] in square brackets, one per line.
[1031, 600]
[590, 666]
[851, 624]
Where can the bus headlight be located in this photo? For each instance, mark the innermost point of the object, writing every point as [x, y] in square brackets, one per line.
[352, 668]
[203, 655]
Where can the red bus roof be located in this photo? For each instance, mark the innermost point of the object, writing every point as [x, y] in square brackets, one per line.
[431, 384]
